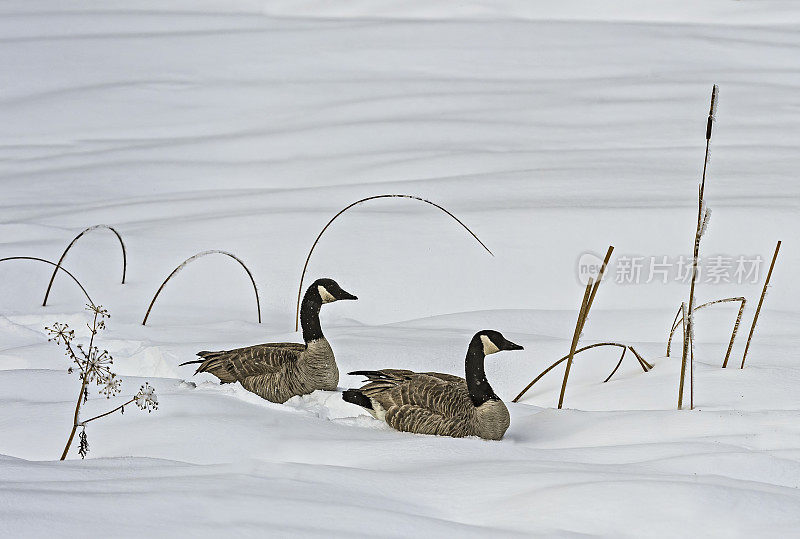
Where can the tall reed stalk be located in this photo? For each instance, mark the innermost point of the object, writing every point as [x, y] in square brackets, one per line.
[703, 215]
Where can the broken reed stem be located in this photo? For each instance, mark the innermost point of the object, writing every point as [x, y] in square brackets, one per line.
[698, 233]
[58, 267]
[75, 239]
[316, 241]
[675, 323]
[733, 333]
[586, 304]
[195, 257]
[575, 337]
[760, 302]
[645, 366]
[678, 320]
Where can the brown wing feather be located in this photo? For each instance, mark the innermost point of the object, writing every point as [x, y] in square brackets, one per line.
[240, 363]
[425, 403]
[420, 420]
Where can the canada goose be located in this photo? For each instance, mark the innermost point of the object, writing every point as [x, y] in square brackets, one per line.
[279, 371]
[435, 403]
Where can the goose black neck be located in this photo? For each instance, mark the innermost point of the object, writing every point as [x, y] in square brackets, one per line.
[479, 389]
[309, 316]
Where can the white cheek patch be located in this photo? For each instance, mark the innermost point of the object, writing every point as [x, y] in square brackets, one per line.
[325, 295]
[488, 346]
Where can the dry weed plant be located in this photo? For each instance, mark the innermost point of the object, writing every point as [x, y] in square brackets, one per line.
[94, 366]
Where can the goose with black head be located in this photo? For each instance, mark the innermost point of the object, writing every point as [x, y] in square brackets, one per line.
[437, 403]
[279, 371]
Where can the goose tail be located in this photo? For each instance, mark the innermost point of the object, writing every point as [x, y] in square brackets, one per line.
[355, 396]
[212, 363]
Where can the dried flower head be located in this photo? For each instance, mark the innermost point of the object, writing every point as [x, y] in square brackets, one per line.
[99, 310]
[60, 333]
[146, 398]
[111, 387]
[97, 366]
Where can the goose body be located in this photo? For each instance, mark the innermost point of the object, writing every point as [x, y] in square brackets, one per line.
[437, 403]
[279, 371]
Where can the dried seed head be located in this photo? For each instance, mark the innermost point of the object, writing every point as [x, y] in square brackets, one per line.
[712, 111]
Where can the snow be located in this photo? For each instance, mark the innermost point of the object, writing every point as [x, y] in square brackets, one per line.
[550, 129]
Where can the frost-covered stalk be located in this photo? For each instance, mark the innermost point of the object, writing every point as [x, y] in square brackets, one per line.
[94, 366]
[703, 216]
[761, 301]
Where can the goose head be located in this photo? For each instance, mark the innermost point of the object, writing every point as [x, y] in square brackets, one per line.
[329, 291]
[493, 341]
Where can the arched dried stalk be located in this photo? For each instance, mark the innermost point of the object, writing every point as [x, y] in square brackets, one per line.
[621, 357]
[195, 257]
[58, 267]
[642, 363]
[308, 258]
[679, 320]
[75, 239]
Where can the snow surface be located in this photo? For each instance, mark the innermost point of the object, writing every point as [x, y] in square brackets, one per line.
[551, 129]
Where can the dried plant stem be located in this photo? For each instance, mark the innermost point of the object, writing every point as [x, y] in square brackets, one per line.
[685, 356]
[64, 254]
[677, 322]
[760, 302]
[645, 366]
[58, 267]
[621, 357]
[120, 407]
[733, 333]
[684, 323]
[586, 304]
[195, 257]
[575, 337]
[311, 251]
[691, 372]
[74, 420]
[84, 381]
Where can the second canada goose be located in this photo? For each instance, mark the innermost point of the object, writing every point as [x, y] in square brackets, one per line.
[436, 403]
[279, 371]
